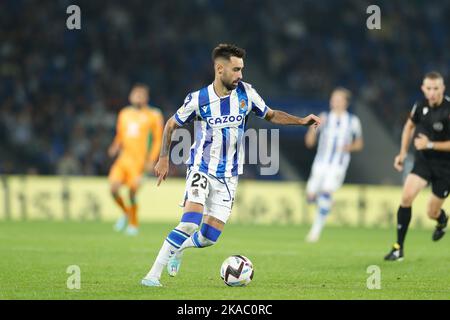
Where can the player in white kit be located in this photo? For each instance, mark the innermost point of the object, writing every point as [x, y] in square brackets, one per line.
[216, 157]
[339, 135]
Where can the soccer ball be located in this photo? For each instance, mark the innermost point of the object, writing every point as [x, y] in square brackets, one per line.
[237, 271]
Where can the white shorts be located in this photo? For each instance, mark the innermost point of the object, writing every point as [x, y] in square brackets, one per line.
[325, 179]
[215, 194]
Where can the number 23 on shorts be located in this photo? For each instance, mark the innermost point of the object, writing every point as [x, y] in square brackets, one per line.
[199, 181]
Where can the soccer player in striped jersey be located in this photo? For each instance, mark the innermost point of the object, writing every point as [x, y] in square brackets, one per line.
[339, 135]
[216, 157]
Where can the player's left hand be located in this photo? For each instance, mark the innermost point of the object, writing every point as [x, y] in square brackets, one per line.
[311, 120]
[421, 142]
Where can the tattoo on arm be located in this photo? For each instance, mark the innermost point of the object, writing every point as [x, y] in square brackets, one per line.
[169, 128]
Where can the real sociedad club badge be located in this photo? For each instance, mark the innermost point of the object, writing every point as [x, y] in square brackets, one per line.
[243, 104]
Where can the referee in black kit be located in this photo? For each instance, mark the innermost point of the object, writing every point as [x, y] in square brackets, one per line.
[429, 123]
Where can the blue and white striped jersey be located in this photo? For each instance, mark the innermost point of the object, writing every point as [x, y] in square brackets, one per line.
[334, 133]
[218, 148]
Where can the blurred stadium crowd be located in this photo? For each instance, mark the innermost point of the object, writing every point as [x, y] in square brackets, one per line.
[60, 90]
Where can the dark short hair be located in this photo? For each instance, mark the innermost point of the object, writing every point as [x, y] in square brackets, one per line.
[226, 51]
[433, 75]
[345, 91]
[141, 86]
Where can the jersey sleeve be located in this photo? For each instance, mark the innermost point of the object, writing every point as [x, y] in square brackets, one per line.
[156, 131]
[414, 116]
[356, 128]
[187, 112]
[257, 104]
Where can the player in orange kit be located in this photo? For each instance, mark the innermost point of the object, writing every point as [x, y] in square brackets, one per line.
[137, 141]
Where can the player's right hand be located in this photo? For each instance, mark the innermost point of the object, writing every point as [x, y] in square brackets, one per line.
[311, 120]
[398, 162]
[162, 169]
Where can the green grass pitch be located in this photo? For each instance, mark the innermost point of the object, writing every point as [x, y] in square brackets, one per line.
[34, 257]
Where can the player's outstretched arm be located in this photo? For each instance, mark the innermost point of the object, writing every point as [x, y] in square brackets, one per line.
[408, 131]
[162, 167]
[284, 118]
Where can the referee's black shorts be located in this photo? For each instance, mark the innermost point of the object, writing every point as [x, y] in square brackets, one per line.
[437, 174]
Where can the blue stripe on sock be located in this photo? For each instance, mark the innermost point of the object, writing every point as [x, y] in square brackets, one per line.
[176, 238]
[324, 203]
[195, 240]
[210, 233]
[173, 244]
[181, 233]
[193, 217]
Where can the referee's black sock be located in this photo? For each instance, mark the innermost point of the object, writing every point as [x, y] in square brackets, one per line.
[442, 217]
[403, 219]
